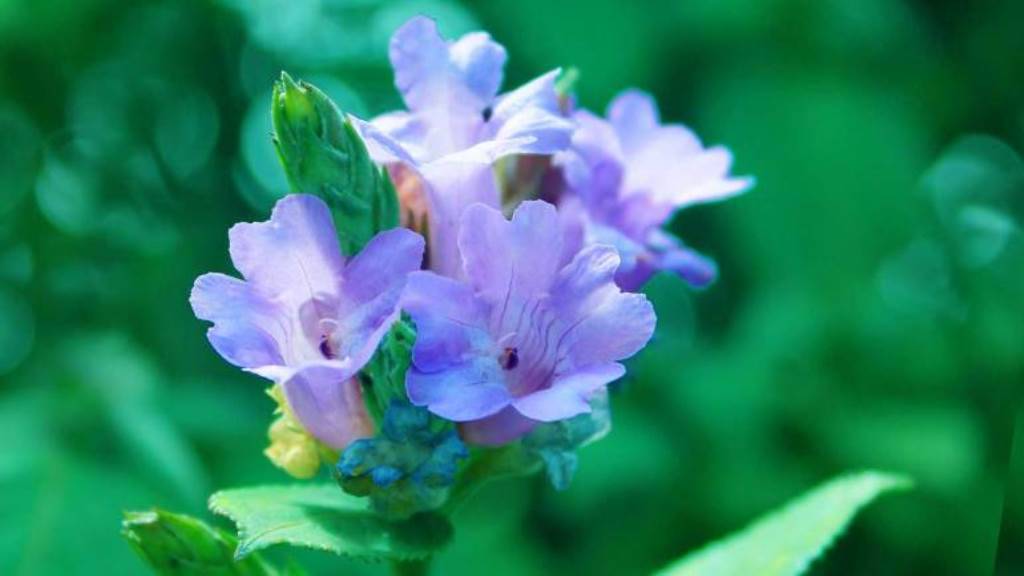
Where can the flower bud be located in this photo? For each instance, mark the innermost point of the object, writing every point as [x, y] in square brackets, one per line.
[178, 544]
[323, 154]
[292, 448]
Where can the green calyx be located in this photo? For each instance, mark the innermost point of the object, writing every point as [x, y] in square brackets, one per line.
[323, 154]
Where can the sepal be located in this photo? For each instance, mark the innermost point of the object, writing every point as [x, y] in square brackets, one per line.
[408, 468]
[556, 443]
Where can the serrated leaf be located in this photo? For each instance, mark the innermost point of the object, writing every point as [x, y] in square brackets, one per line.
[323, 154]
[325, 518]
[175, 544]
[787, 541]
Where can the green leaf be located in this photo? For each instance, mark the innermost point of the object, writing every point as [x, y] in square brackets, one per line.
[325, 518]
[787, 541]
[323, 154]
[176, 544]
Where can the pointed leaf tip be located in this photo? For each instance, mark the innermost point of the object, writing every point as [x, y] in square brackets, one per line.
[786, 542]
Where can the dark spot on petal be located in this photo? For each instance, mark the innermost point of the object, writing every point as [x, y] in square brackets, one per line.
[509, 359]
[325, 348]
[487, 114]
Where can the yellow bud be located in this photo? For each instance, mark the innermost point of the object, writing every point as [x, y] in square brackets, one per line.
[292, 449]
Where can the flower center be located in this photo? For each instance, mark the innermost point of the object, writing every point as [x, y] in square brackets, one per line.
[509, 358]
[326, 349]
[329, 344]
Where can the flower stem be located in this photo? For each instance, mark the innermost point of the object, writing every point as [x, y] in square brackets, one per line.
[487, 465]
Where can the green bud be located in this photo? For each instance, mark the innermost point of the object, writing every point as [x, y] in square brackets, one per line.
[323, 154]
[175, 544]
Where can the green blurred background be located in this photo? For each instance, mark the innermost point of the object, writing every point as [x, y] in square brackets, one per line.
[869, 311]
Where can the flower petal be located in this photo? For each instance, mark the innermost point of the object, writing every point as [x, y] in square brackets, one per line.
[450, 321]
[595, 139]
[454, 370]
[633, 114]
[501, 428]
[631, 253]
[245, 331]
[602, 323]
[504, 258]
[594, 166]
[383, 264]
[489, 151]
[673, 169]
[671, 255]
[569, 394]
[431, 73]
[538, 94]
[328, 402]
[451, 188]
[389, 141]
[373, 283]
[531, 111]
[293, 258]
[472, 390]
[479, 65]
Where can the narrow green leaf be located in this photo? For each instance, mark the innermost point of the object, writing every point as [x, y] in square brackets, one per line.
[175, 544]
[325, 518]
[787, 541]
[323, 154]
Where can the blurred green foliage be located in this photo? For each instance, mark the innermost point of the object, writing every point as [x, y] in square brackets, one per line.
[869, 312]
[1011, 553]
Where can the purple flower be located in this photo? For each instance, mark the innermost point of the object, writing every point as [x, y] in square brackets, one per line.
[304, 317]
[629, 174]
[531, 335]
[441, 149]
